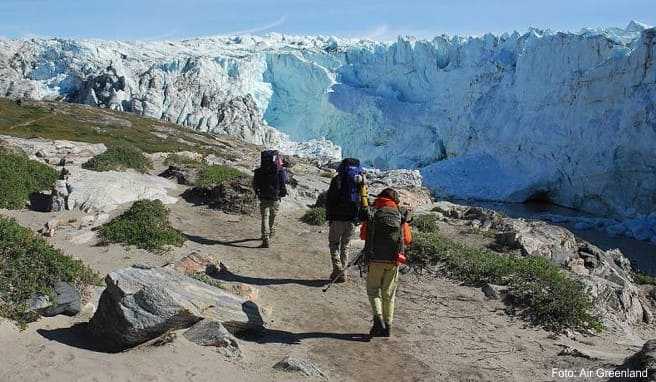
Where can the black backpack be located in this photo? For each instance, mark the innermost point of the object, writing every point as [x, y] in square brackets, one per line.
[271, 177]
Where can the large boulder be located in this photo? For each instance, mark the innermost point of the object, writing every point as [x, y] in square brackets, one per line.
[640, 366]
[141, 303]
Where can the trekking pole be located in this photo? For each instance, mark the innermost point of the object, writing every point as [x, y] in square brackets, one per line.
[349, 265]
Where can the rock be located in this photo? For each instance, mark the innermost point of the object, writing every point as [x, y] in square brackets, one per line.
[195, 263]
[140, 304]
[301, 366]
[233, 197]
[107, 190]
[50, 151]
[494, 292]
[38, 302]
[50, 227]
[67, 301]
[643, 361]
[249, 292]
[212, 333]
[182, 175]
[573, 352]
[59, 196]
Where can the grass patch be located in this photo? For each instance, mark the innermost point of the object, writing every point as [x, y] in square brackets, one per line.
[549, 297]
[203, 277]
[119, 158]
[182, 161]
[644, 279]
[211, 176]
[314, 216]
[29, 265]
[20, 177]
[145, 225]
[426, 223]
[96, 125]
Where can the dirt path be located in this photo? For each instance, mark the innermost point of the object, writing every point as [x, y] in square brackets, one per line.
[443, 331]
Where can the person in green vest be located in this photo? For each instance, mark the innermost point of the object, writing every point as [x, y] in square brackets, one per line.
[386, 233]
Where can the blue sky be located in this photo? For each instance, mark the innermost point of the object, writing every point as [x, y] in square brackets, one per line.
[382, 19]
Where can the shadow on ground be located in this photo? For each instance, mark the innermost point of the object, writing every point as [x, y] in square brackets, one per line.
[224, 274]
[77, 336]
[232, 243]
[274, 336]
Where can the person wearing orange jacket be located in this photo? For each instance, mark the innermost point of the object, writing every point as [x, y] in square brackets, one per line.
[386, 233]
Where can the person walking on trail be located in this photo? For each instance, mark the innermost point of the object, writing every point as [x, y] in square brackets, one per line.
[344, 201]
[269, 183]
[386, 233]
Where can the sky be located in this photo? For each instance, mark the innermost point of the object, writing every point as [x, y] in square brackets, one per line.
[381, 19]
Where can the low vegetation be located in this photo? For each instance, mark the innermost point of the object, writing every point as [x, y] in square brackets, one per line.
[425, 223]
[20, 177]
[644, 279]
[546, 295]
[203, 277]
[118, 158]
[210, 176]
[57, 120]
[182, 161]
[145, 225]
[29, 266]
[314, 216]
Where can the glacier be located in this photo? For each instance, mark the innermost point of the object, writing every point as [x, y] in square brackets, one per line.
[565, 117]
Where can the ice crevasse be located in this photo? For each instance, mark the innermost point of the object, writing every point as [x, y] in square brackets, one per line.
[567, 117]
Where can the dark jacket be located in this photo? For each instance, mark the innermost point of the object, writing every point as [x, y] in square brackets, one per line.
[269, 184]
[338, 209]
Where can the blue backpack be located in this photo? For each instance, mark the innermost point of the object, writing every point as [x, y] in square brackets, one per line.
[349, 171]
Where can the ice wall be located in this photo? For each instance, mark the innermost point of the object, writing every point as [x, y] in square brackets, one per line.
[568, 117]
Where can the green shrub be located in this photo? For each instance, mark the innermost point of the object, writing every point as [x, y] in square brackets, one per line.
[204, 278]
[145, 225]
[20, 177]
[118, 158]
[425, 223]
[550, 298]
[29, 265]
[182, 161]
[314, 216]
[210, 176]
[644, 279]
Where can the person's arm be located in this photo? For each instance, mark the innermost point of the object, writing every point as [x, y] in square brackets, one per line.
[330, 198]
[256, 182]
[282, 180]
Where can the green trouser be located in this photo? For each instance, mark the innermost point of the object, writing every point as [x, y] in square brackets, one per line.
[268, 210]
[382, 280]
[339, 239]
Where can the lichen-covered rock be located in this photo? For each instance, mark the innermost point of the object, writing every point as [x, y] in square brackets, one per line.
[140, 304]
[213, 333]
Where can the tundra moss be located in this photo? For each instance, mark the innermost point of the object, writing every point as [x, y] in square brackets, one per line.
[30, 266]
[549, 297]
[211, 176]
[20, 177]
[118, 158]
[314, 216]
[145, 225]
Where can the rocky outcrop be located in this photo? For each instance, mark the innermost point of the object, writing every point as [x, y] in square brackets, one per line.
[301, 366]
[232, 197]
[607, 274]
[640, 366]
[140, 304]
[213, 333]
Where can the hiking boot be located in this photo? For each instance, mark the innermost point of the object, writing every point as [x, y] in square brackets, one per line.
[265, 243]
[387, 330]
[378, 329]
[341, 278]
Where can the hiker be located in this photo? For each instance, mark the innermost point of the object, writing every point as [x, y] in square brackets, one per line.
[269, 183]
[345, 198]
[386, 233]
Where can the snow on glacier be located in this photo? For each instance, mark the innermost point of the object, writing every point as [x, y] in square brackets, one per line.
[566, 116]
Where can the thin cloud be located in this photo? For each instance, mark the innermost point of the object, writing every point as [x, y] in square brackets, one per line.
[385, 32]
[262, 28]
